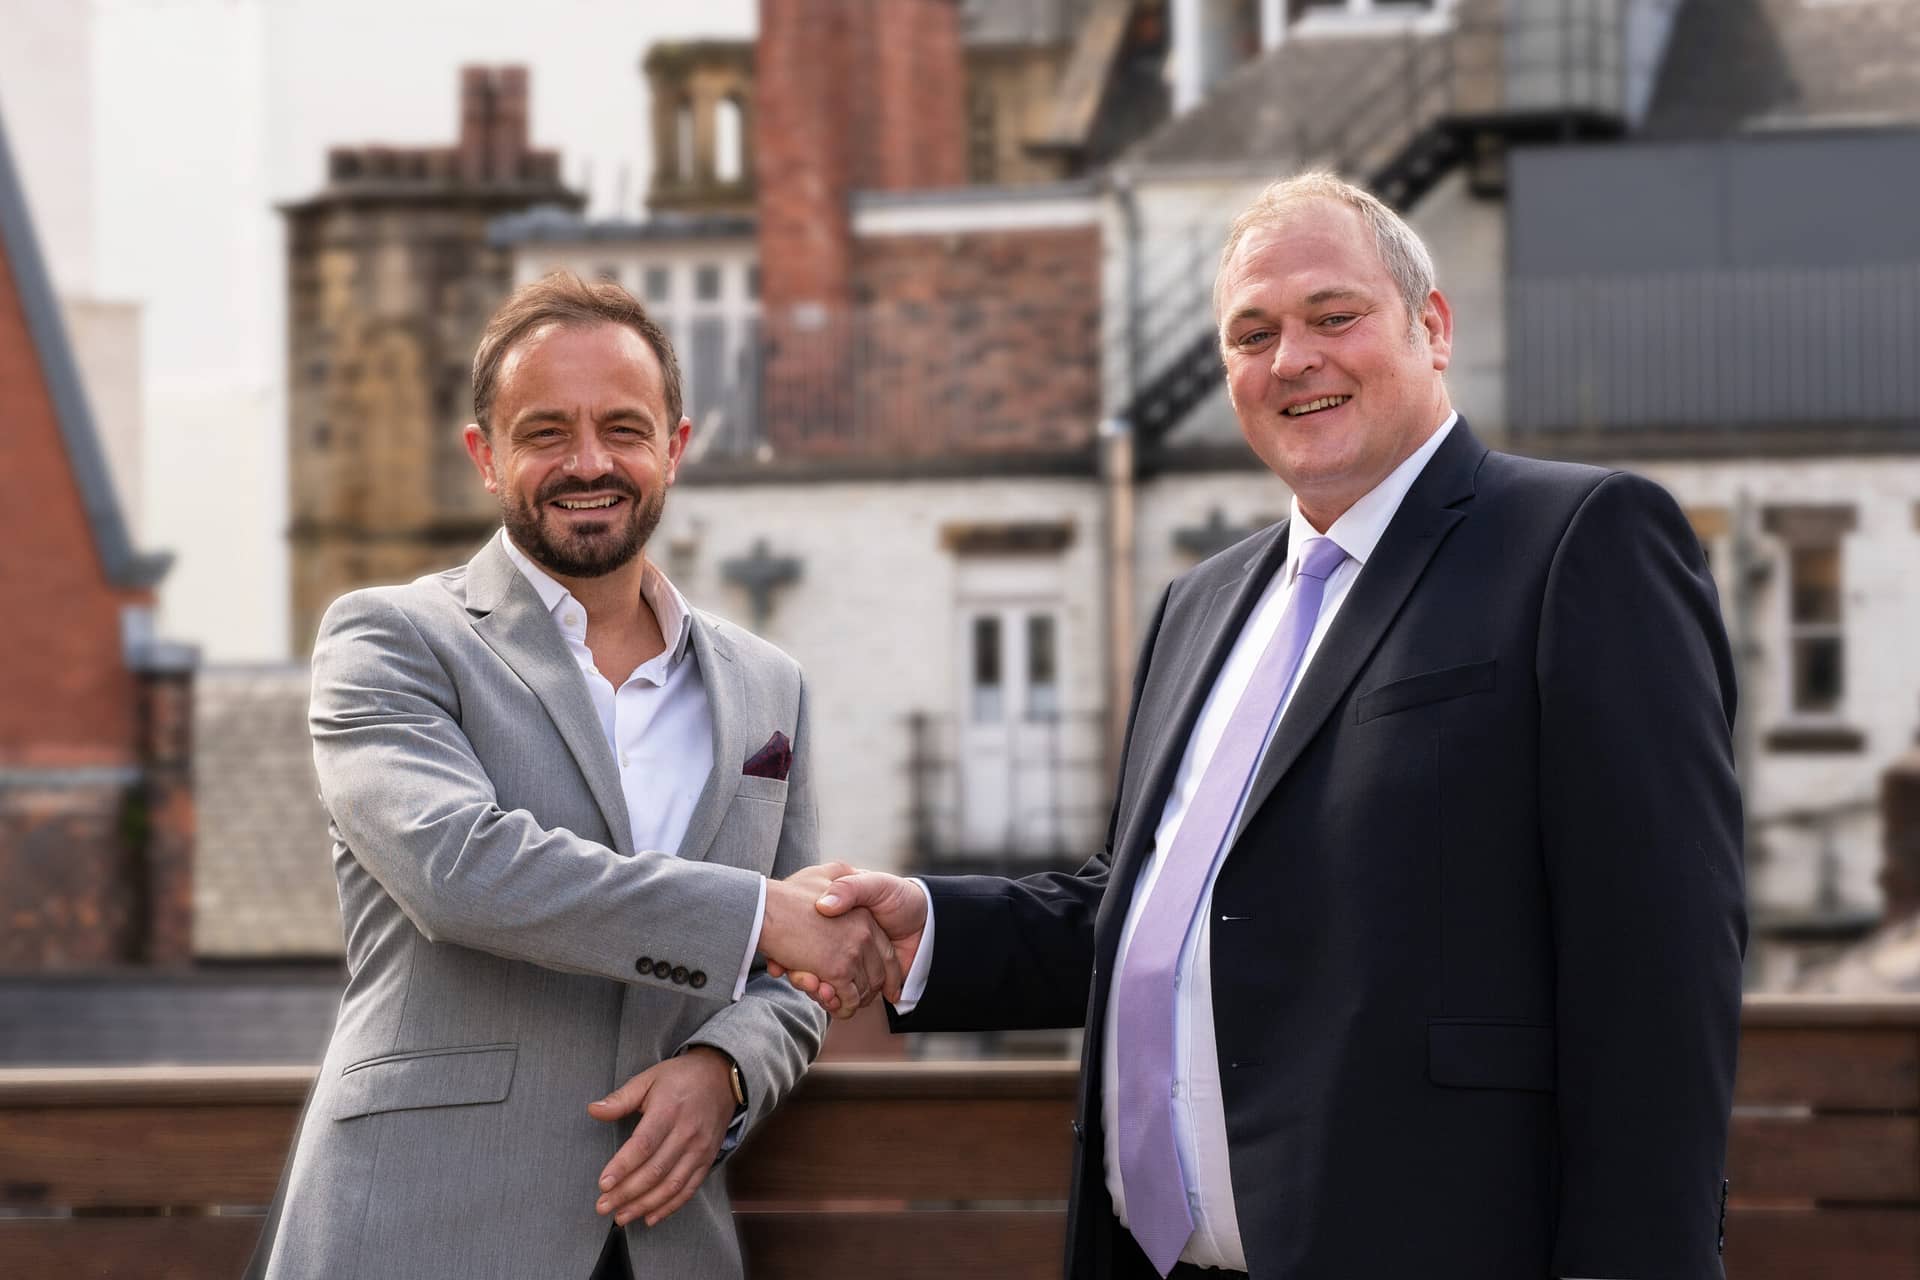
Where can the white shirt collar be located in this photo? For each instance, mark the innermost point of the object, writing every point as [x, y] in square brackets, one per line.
[1360, 529]
[670, 608]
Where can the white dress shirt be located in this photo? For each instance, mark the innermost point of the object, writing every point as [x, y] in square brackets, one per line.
[1200, 1122]
[656, 723]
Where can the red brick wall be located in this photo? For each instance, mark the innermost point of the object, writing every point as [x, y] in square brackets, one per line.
[994, 335]
[850, 95]
[66, 696]
[94, 870]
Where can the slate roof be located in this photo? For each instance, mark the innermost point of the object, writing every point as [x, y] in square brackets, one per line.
[263, 871]
[1734, 64]
[194, 1018]
[125, 566]
[1257, 118]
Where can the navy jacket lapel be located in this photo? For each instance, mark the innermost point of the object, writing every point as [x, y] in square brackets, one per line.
[1427, 514]
[516, 626]
[1196, 653]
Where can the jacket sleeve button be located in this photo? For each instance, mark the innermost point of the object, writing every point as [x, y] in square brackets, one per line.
[644, 965]
[697, 979]
[680, 975]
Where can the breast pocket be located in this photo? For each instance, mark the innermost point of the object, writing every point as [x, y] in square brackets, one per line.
[749, 834]
[1427, 687]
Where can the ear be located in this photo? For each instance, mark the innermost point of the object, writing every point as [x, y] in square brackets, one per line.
[677, 447]
[1437, 319]
[480, 449]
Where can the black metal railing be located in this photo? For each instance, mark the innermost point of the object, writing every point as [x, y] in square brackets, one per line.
[1029, 796]
[912, 380]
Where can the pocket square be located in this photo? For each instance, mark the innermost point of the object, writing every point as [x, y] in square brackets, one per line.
[771, 761]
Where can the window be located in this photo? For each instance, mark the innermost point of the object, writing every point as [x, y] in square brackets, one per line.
[729, 141]
[706, 283]
[1043, 683]
[1813, 628]
[986, 669]
[607, 271]
[1812, 615]
[659, 284]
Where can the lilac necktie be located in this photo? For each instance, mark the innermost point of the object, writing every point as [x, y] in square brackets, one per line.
[1157, 1211]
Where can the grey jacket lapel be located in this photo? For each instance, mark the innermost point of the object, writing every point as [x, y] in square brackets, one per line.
[725, 685]
[1427, 514]
[516, 626]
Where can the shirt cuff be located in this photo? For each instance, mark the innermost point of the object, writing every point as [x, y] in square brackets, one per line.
[753, 941]
[916, 984]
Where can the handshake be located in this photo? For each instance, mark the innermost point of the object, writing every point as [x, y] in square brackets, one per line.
[841, 935]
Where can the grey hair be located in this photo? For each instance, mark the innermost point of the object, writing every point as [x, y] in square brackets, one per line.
[1401, 251]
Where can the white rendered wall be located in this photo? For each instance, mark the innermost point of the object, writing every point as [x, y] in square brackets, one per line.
[874, 616]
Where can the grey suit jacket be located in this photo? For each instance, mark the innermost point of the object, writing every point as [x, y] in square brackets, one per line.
[495, 914]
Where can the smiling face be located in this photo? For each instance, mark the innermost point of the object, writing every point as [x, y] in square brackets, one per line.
[580, 452]
[1331, 388]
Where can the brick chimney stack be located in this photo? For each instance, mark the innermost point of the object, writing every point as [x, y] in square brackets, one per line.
[852, 95]
[493, 123]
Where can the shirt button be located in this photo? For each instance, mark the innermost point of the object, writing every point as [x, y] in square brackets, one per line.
[1176, 1088]
[623, 759]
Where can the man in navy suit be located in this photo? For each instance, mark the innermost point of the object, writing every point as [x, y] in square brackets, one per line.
[1414, 950]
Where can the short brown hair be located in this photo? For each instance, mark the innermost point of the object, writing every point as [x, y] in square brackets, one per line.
[563, 298]
[1401, 251]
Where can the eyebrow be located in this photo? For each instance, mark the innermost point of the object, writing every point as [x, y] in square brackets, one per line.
[534, 416]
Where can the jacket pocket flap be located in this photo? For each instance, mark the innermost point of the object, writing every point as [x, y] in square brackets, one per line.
[1465, 1054]
[454, 1077]
[758, 788]
[1428, 686]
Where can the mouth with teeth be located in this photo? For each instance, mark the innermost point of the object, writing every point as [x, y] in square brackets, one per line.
[1321, 405]
[586, 504]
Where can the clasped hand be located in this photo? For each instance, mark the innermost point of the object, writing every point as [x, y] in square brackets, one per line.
[895, 909]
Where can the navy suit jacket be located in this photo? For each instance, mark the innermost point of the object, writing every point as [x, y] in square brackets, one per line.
[1477, 942]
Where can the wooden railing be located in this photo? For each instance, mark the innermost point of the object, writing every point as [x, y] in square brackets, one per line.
[920, 1169]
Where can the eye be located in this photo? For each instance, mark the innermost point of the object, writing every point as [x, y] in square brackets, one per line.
[1338, 319]
[1253, 338]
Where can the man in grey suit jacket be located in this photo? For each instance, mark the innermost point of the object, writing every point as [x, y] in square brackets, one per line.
[560, 802]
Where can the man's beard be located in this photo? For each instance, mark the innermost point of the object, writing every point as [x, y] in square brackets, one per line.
[589, 551]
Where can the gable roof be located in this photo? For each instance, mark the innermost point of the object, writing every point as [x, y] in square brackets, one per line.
[124, 566]
[1742, 64]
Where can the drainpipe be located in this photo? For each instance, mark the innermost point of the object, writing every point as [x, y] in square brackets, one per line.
[1117, 494]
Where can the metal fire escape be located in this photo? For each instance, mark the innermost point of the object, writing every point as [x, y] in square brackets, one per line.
[1460, 96]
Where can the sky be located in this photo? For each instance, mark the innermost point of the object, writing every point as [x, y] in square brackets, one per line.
[181, 124]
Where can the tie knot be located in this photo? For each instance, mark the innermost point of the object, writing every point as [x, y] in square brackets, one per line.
[1319, 557]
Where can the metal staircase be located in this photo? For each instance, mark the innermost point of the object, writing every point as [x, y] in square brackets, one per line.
[1444, 99]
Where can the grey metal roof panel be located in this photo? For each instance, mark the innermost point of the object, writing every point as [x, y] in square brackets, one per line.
[124, 566]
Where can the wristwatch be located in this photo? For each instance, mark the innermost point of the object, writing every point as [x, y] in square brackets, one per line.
[739, 1083]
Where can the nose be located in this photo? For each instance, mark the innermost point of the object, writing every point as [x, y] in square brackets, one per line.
[590, 457]
[1294, 356]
